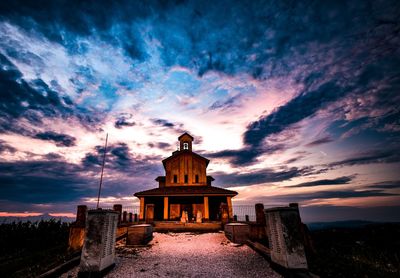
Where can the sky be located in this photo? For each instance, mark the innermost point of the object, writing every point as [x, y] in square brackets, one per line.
[292, 101]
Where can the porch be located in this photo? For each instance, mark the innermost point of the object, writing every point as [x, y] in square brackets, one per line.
[170, 208]
[176, 226]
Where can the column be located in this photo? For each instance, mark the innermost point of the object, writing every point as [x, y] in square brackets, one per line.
[141, 212]
[165, 208]
[230, 209]
[206, 213]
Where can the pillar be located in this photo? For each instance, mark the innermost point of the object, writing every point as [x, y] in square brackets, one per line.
[206, 211]
[81, 215]
[124, 216]
[118, 208]
[260, 215]
[165, 208]
[141, 212]
[130, 217]
[230, 209]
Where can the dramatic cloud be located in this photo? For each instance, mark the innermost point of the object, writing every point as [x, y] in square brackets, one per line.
[370, 157]
[257, 177]
[274, 93]
[60, 139]
[340, 180]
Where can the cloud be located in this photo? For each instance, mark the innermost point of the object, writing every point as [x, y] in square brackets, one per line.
[369, 157]
[61, 140]
[246, 155]
[4, 147]
[162, 122]
[332, 194]
[385, 185]
[123, 122]
[43, 181]
[336, 181]
[160, 145]
[321, 141]
[260, 176]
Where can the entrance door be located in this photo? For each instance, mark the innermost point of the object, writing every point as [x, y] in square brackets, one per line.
[189, 209]
[149, 213]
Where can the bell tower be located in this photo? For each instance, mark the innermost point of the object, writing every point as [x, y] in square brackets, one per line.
[185, 142]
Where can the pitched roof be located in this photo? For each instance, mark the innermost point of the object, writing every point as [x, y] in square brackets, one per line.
[179, 138]
[178, 153]
[186, 191]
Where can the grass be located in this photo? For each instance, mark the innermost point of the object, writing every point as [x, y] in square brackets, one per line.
[28, 249]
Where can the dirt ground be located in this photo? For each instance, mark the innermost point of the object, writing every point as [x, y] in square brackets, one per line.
[188, 255]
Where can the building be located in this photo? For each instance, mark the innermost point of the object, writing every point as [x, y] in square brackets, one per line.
[185, 187]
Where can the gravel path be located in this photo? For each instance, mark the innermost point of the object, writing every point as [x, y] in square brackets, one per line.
[188, 255]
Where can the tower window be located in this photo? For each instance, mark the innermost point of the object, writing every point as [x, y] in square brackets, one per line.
[185, 146]
[186, 179]
[197, 178]
[175, 178]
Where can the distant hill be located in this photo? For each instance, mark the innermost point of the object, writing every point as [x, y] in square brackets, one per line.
[11, 219]
[338, 224]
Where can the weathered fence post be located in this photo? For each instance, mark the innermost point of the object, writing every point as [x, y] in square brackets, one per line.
[260, 215]
[118, 208]
[135, 219]
[247, 218]
[77, 229]
[130, 217]
[124, 216]
[81, 215]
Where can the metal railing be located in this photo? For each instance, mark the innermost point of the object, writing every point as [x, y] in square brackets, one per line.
[242, 212]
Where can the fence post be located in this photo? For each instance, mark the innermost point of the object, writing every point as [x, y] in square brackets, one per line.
[130, 217]
[124, 215]
[260, 215]
[247, 218]
[118, 207]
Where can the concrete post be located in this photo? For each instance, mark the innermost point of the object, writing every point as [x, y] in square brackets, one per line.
[98, 251]
[260, 215]
[285, 237]
[118, 208]
[81, 215]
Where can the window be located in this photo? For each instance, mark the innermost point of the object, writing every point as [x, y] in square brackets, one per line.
[175, 178]
[197, 178]
[186, 179]
[185, 146]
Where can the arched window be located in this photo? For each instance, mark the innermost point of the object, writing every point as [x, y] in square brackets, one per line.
[185, 146]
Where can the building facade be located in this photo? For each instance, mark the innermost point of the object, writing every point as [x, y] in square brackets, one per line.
[185, 187]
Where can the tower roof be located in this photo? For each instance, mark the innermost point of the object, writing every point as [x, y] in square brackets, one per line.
[187, 134]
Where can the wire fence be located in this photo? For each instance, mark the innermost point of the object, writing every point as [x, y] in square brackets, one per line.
[242, 212]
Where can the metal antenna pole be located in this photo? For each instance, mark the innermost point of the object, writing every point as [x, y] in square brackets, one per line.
[102, 171]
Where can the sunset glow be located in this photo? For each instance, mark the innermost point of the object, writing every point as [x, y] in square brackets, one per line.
[298, 108]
